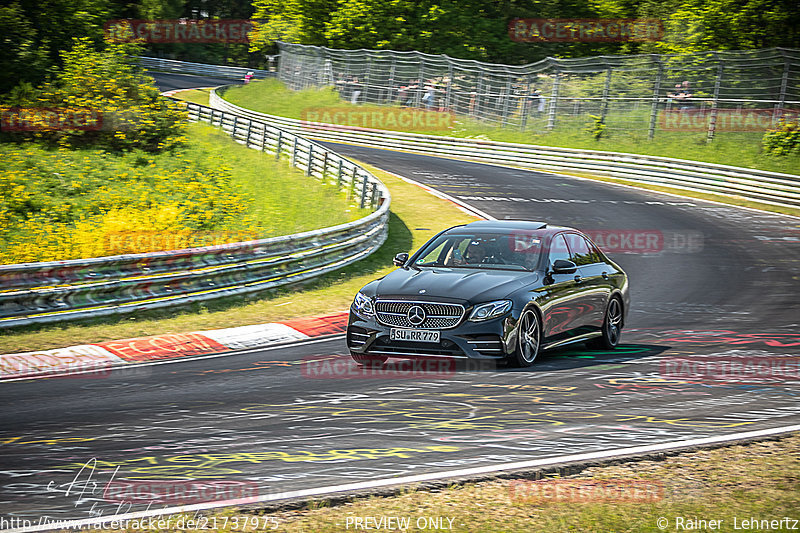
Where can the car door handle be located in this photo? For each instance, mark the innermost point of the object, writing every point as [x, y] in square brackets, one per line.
[578, 278]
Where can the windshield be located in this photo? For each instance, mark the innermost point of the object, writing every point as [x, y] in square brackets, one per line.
[516, 251]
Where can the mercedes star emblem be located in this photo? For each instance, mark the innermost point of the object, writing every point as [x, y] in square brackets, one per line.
[416, 315]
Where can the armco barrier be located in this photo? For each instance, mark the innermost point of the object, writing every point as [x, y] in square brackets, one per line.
[201, 69]
[62, 290]
[750, 184]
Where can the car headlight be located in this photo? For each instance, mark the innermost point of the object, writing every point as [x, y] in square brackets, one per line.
[363, 305]
[490, 310]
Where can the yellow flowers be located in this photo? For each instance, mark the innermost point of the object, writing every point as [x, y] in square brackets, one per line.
[65, 204]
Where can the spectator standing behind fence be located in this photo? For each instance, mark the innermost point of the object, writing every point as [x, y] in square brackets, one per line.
[356, 91]
[540, 101]
[429, 98]
[682, 95]
[248, 77]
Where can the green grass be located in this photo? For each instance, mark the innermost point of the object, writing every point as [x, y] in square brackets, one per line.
[67, 204]
[416, 216]
[627, 131]
[196, 96]
[284, 200]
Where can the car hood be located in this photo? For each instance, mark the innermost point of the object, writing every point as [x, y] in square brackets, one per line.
[461, 285]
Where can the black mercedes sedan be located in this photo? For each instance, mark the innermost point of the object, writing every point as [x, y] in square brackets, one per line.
[497, 290]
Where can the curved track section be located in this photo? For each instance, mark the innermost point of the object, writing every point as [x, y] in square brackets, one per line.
[722, 285]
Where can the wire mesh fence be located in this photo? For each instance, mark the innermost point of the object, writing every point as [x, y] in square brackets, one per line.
[650, 94]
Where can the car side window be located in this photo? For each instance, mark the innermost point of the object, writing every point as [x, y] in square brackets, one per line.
[596, 257]
[558, 250]
[580, 251]
[435, 256]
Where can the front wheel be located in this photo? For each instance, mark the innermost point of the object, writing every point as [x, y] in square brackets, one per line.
[371, 361]
[529, 339]
[612, 327]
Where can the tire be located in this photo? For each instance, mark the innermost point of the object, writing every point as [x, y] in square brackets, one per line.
[529, 340]
[372, 361]
[612, 327]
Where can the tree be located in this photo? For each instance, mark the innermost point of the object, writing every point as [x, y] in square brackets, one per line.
[111, 84]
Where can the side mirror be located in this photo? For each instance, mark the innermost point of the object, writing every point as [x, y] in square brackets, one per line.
[562, 266]
[400, 259]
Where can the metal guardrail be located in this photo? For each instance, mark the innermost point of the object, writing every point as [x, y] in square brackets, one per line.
[758, 185]
[201, 69]
[62, 290]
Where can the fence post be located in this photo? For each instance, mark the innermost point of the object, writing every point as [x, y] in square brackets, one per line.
[712, 122]
[651, 130]
[366, 80]
[278, 145]
[390, 93]
[784, 84]
[449, 87]
[421, 84]
[475, 106]
[324, 165]
[604, 105]
[247, 135]
[310, 159]
[235, 124]
[364, 192]
[353, 182]
[339, 176]
[294, 151]
[551, 114]
[373, 194]
[506, 102]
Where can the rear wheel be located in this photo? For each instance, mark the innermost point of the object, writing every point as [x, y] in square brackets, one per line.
[529, 340]
[612, 327]
[371, 361]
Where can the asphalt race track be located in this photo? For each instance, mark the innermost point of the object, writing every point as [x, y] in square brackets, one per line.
[720, 283]
[170, 81]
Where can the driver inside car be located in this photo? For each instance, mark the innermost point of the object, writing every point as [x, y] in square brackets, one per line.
[475, 253]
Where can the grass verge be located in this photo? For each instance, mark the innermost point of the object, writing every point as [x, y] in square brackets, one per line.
[77, 203]
[730, 485]
[196, 96]
[416, 216]
[626, 131]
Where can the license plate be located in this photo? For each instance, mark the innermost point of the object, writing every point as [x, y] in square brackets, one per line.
[414, 335]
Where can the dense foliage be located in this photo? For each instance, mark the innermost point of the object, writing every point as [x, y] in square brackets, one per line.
[477, 29]
[125, 107]
[35, 32]
[783, 140]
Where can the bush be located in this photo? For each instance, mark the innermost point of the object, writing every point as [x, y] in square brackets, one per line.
[596, 128]
[108, 84]
[783, 140]
[58, 204]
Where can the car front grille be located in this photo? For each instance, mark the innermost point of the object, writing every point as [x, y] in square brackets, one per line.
[384, 346]
[437, 315]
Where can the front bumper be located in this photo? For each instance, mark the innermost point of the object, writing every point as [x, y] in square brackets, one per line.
[484, 340]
